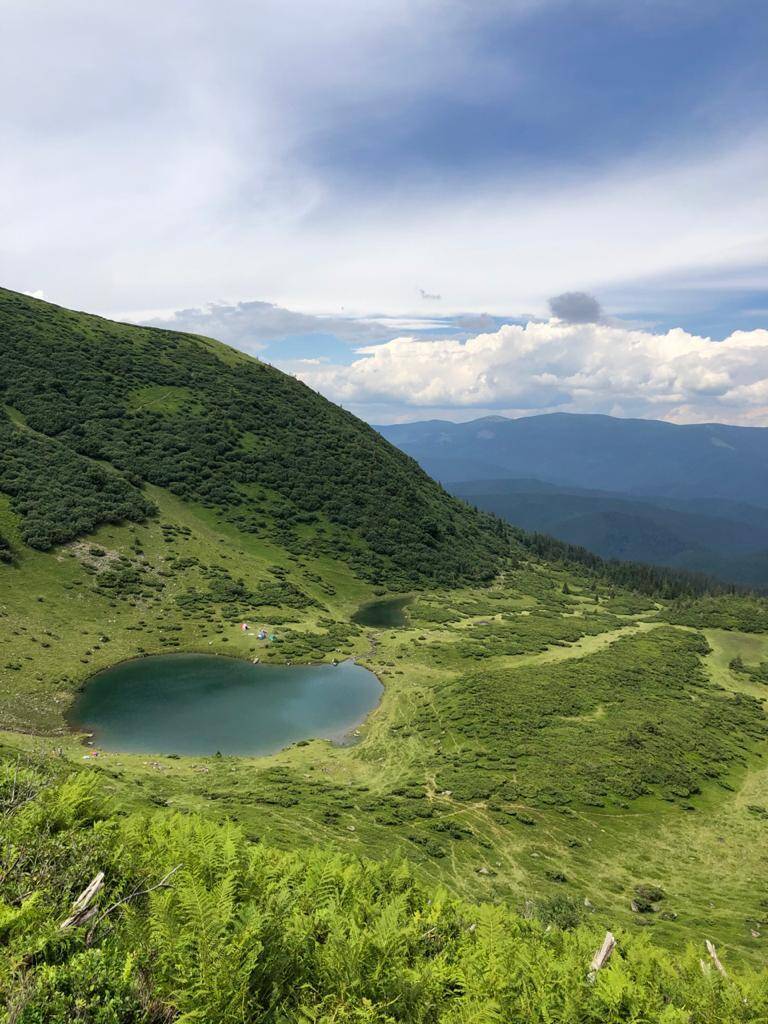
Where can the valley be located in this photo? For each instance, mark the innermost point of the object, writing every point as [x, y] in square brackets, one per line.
[574, 745]
[690, 497]
[383, 513]
[473, 766]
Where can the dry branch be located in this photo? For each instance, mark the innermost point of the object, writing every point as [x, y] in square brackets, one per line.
[602, 956]
[82, 910]
[714, 957]
[162, 884]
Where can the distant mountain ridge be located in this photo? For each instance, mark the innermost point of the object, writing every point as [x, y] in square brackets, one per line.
[688, 497]
[629, 456]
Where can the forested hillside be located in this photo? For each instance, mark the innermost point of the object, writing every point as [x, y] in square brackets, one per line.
[723, 540]
[213, 426]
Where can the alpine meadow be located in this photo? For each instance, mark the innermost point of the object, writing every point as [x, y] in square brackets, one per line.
[563, 746]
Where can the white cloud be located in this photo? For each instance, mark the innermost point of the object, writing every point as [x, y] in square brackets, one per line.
[249, 325]
[553, 366]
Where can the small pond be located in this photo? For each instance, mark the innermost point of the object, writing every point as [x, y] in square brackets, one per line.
[386, 614]
[199, 704]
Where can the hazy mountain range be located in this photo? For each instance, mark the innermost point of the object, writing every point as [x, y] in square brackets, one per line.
[693, 497]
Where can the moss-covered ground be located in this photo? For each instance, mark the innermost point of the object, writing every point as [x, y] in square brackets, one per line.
[540, 740]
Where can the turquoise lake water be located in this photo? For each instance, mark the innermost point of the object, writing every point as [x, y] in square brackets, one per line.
[199, 704]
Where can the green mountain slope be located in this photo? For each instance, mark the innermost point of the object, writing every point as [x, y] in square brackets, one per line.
[546, 735]
[213, 426]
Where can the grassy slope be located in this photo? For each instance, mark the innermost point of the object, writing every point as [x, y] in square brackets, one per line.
[388, 793]
[384, 794]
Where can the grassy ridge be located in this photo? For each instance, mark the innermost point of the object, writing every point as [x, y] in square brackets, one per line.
[653, 723]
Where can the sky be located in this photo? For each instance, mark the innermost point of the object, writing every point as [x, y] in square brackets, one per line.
[423, 209]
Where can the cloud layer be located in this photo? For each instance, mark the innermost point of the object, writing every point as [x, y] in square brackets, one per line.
[557, 366]
[251, 325]
[370, 156]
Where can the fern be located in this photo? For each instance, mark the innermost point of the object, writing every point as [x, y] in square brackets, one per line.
[251, 935]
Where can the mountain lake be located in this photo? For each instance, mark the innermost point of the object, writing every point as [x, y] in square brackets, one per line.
[202, 704]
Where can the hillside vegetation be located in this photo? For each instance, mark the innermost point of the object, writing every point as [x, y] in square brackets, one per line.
[196, 924]
[213, 426]
[559, 738]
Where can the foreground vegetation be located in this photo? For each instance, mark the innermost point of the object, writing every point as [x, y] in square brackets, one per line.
[194, 923]
[531, 745]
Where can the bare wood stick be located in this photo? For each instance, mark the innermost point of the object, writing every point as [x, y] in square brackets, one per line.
[714, 957]
[602, 956]
[82, 910]
[82, 917]
[88, 894]
[131, 896]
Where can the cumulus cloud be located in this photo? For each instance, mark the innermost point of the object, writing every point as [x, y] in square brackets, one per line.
[476, 323]
[249, 325]
[556, 366]
[576, 308]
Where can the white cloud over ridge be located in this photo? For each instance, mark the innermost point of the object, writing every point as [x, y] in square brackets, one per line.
[555, 366]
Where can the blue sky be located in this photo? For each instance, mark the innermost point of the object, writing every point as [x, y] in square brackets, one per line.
[565, 89]
[306, 181]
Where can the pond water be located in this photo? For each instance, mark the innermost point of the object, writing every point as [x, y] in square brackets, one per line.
[201, 704]
[384, 614]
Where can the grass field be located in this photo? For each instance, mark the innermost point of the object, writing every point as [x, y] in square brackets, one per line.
[532, 745]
